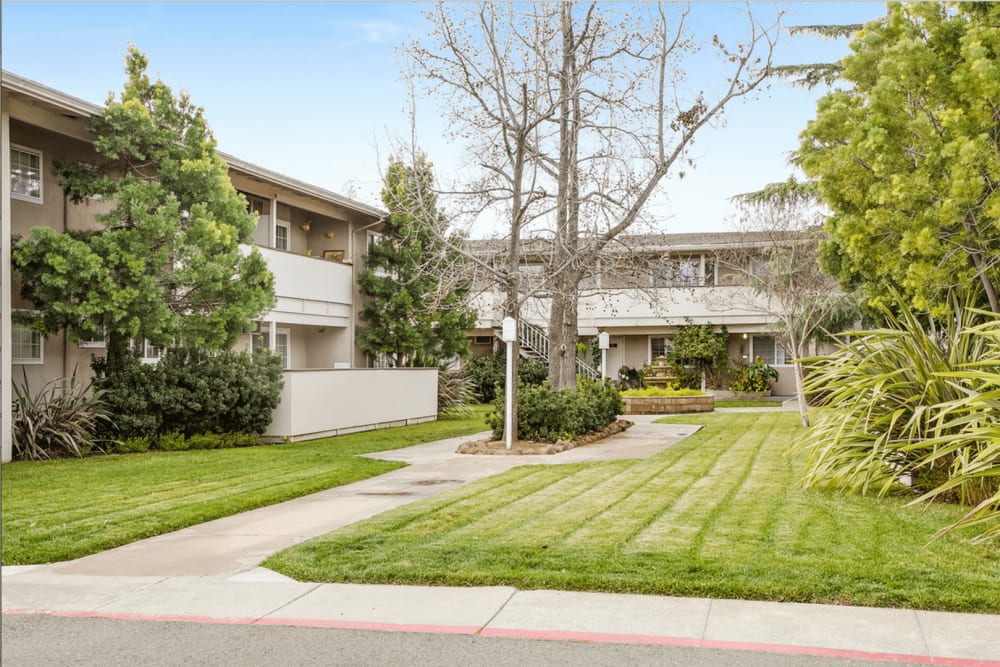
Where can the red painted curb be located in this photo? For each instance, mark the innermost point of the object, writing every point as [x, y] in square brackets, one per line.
[549, 635]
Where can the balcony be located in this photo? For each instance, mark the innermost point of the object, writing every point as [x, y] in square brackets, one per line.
[310, 290]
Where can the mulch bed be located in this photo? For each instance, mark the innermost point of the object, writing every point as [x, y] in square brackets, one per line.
[519, 447]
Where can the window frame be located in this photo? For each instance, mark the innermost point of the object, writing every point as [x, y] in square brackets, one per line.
[777, 348]
[668, 344]
[264, 338]
[288, 236]
[40, 199]
[26, 361]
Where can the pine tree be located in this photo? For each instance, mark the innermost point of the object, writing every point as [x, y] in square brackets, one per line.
[412, 315]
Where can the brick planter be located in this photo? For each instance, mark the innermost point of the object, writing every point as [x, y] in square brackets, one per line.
[661, 405]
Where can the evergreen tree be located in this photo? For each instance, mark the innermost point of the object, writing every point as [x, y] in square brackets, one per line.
[411, 314]
[166, 263]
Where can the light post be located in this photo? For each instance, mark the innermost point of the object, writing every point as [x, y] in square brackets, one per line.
[604, 342]
[508, 335]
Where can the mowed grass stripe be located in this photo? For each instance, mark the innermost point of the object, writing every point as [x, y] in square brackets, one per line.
[662, 482]
[63, 509]
[679, 526]
[761, 536]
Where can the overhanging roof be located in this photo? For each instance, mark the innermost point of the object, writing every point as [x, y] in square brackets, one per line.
[68, 105]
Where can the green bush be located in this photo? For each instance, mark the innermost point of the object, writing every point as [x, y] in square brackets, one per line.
[218, 393]
[191, 391]
[487, 374]
[549, 415]
[753, 378]
[135, 445]
[915, 402]
[172, 442]
[205, 441]
[128, 387]
[61, 419]
[229, 440]
[455, 393]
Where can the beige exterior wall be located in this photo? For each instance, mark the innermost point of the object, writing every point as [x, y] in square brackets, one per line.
[318, 403]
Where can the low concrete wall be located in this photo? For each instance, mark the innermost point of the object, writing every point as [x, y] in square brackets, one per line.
[324, 402]
[662, 405]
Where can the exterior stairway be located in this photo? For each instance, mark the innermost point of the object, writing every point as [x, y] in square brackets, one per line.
[534, 344]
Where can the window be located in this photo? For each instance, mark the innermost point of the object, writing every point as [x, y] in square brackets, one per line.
[281, 236]
[659, 346]
[255, 204]
[483, 340]
[679, 273]
[25, 174]
[709, 279]
[373, 239]
[262, 341]
[150, 353]
[768, 349]
[26, 345]
[97, 341]
[758, 266]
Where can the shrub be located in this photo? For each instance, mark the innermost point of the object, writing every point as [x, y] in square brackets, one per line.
[547, 414]
[191, 391]
[135, 445]
[59, 420]
[487, 373]
[917, 400]
[229, 440]
[753, 378]
[204, 441]
[128, 387]
[172, 442]
[218, 393]
[455, 393]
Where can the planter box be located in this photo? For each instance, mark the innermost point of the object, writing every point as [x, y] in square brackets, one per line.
[663, 405]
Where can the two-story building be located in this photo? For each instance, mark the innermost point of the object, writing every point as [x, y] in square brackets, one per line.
[313, 240]
[642, 295]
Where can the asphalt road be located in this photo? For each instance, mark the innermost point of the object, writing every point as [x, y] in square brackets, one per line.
[55, 641]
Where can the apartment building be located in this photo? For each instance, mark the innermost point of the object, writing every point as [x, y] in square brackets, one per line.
[641, 295]
[313, 240]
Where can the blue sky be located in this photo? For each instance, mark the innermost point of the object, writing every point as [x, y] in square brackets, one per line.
[313, 90]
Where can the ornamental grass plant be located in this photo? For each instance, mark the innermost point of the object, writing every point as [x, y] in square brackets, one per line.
[913, 408]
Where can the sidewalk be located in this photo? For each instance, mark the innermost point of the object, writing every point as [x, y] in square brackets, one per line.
[209, 574]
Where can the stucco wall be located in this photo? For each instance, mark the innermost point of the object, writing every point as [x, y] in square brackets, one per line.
[317, 403]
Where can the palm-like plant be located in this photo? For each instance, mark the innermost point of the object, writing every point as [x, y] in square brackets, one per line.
[58, 420]
[913, 403]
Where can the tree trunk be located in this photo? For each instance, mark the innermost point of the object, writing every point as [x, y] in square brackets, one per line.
[562, 336]
[800, 393]
[976, 256]
[563, 314]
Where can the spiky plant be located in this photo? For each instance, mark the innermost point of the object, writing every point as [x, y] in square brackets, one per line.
[915, 403]
[58, 420]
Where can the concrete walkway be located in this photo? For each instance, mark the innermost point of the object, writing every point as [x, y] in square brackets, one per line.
[210, 573]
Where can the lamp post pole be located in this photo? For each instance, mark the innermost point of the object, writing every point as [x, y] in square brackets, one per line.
[604, 342]
[509, 335]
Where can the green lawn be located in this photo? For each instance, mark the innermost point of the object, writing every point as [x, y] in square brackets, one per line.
[57, 510]
[719, 515]
[746, 404]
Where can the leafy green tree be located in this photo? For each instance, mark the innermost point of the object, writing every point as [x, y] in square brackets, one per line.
[908, 157]
[698, 345]
[411, 314]
[166, 263]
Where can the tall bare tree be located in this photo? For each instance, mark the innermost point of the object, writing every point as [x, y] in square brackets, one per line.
[574, 115]
[776, 256]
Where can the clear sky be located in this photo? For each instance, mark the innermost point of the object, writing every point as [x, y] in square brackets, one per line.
[313, 90]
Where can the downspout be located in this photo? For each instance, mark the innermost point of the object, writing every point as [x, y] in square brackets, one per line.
[6, 358]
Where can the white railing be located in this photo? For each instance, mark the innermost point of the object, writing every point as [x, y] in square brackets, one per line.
[535, 343]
